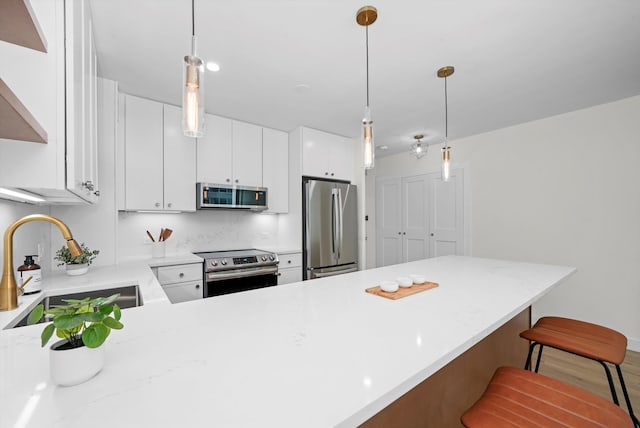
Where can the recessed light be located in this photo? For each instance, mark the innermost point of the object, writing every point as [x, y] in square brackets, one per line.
[302, 87]
[213, 66]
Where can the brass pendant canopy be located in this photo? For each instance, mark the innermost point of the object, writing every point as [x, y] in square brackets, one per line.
[446, 71]
[366, 15]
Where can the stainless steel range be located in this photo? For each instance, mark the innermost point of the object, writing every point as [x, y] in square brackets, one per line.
[238, 270]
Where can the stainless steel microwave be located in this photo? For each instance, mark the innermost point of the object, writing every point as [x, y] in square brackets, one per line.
[231, 197]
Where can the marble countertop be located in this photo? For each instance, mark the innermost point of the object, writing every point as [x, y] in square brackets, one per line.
[319, 353]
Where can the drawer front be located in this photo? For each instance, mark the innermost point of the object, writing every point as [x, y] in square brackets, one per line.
[287, 276]
[289, 260]
[180, 273]
[184, 292]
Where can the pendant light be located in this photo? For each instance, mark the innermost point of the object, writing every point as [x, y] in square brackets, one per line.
[445, 72]
[418, 149]
[366, 16]
[193, 89]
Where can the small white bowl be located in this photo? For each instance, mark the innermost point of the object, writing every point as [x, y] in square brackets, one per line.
[404, 281]
[389, 286]
[417, 279]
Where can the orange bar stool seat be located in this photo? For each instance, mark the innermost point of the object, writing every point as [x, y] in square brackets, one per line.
[584, 339]
[521, 398]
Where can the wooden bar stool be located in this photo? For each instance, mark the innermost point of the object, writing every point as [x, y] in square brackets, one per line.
[520, 398]
[584, 339]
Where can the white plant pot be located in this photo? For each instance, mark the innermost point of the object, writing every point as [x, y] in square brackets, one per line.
[73, 366]
[74, 270]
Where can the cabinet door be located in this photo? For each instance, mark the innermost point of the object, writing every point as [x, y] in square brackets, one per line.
[81, 103]
[184, 291]
[247, 154]
[316, 149]
[415, 218]
[215, 151]
[275, 169]
[342, 158]
[144, 162]
[179, 163]
[287, 276]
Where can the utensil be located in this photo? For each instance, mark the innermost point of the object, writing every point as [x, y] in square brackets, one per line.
[150, 236]
[167, 233]
[161, 233]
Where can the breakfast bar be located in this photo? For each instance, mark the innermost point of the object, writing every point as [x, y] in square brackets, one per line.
[317, 353]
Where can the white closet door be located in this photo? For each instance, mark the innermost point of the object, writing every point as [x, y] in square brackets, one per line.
[447, 215]
[388, 221]
[415, 218]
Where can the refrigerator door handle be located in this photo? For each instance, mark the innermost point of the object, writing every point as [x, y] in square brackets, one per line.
[340, 229]
[335, 213]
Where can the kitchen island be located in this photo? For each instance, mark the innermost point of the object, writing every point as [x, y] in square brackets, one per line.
[319, 353]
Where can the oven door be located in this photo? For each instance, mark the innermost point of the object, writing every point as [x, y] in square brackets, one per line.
[236, 280]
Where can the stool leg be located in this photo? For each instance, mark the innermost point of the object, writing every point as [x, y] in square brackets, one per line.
[528, 363]
[636, 423]
[611, 385]
[539, 357]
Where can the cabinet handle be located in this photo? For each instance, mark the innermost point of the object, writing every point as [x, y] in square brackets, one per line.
[404, 233]
[399, 233]
[228, 180]
[169, 205]
[279, 274]
[236, 180]
[432, 234]
[88, 185]
[289, 261]
[97, 193]
[197, 285]
[157, 204]
[181, 275]
[326, 173]
[332, 174]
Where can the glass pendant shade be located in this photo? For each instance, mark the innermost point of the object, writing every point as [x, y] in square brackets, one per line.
[446, 162]
[418, 149]
[367, 140]
[193, 94]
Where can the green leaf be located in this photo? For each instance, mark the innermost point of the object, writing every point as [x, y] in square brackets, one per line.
[36, 314]
[91, 316]
[116, 312]
[68, 322]
[109, 300]
[106, 310]
[112, 323]
[95, 335]
[46, 334]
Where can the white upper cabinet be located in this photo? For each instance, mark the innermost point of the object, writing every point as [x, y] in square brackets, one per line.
[327, 155]
[59, 89]
[230, 152]
[179, 163]
[159, 160]
[215, 150]
[275, 169]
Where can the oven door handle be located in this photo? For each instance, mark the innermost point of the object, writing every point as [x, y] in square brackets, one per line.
[219, 276]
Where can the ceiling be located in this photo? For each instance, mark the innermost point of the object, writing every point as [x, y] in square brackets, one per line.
[286, 63]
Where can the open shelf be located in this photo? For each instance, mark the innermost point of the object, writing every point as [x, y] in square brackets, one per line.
[17, 123]
[19, 25]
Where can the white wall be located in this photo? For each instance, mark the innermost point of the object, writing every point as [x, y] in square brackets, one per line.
[562, 190]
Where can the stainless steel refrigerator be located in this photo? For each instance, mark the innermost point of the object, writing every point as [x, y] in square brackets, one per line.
[330, 228]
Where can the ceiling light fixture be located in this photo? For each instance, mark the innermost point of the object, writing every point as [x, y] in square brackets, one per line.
[366, 16]
[193, 90]
[417, 148]
[445, 72]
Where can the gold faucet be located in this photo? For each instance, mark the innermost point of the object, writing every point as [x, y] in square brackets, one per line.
[8, 286]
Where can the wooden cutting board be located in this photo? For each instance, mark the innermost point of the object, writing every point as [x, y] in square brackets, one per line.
[402, 291]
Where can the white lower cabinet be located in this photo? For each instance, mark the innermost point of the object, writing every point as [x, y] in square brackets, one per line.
[181, 283]
[289, 268]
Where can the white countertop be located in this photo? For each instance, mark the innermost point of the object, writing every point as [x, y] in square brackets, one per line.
[320, 353]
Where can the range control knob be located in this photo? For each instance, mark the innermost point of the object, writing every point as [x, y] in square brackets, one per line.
[213, 263]
[272, 257]
[223, 262]
[263, 258]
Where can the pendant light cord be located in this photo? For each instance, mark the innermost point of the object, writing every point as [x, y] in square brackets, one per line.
[193, 18]
[446, 113]
[366, 27]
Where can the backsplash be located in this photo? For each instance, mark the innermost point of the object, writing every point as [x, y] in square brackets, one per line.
[198, 231]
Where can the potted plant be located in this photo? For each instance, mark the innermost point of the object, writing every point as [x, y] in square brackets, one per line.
[77, 265]
[83, 325]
